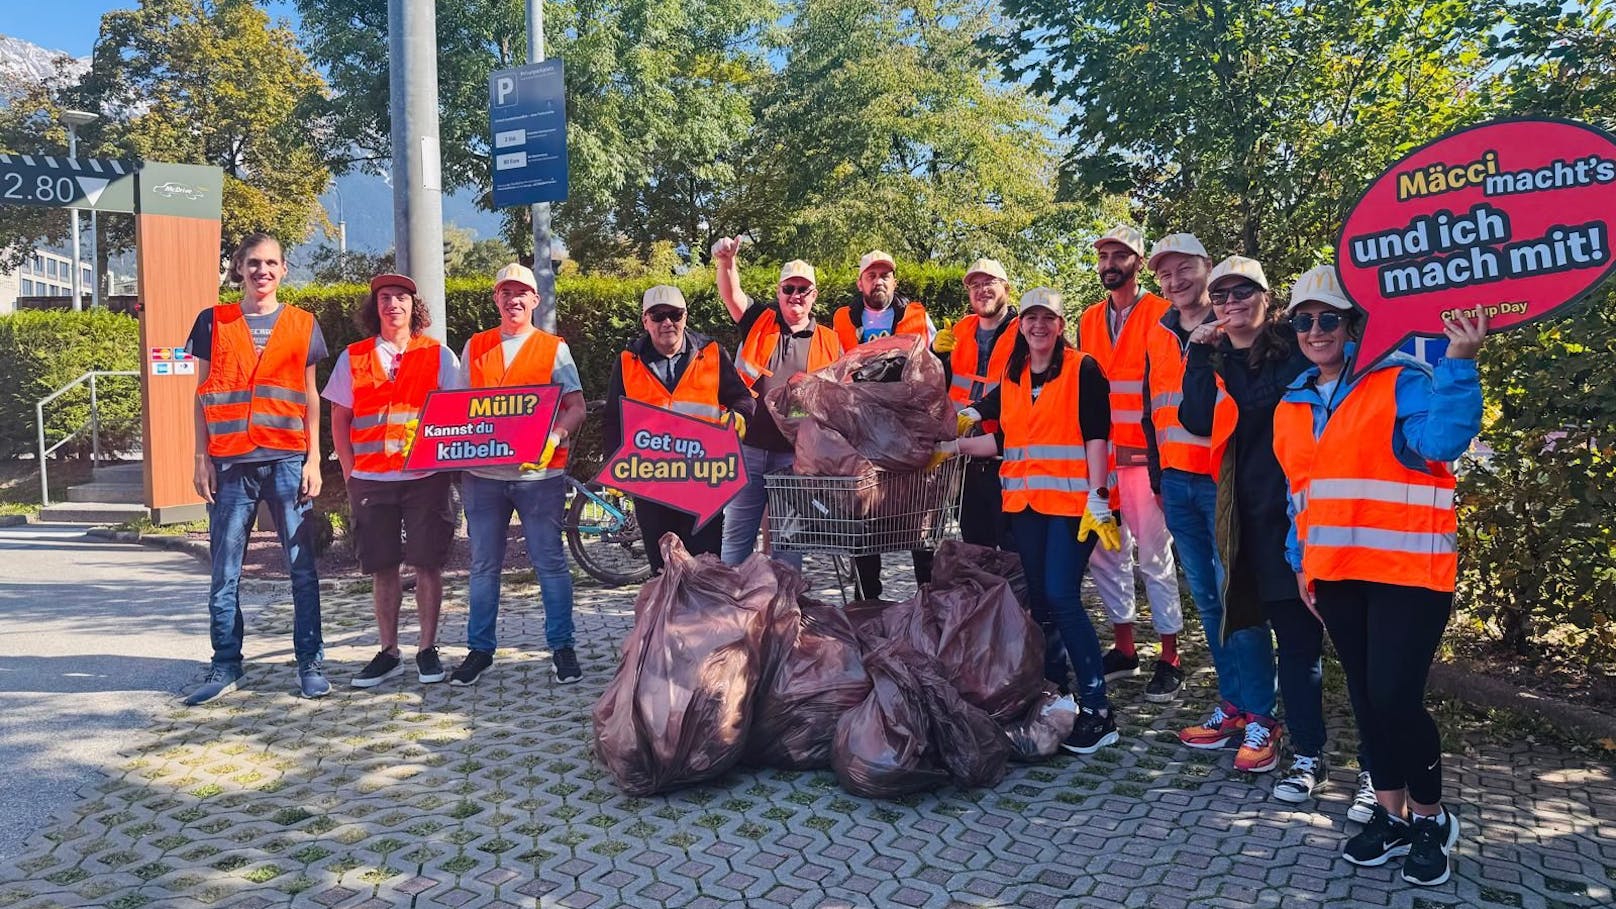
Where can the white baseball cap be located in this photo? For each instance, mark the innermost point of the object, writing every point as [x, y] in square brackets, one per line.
[519, 274]
[797, 268]
[989, 267]
[876, 257]
[1183, 244]
[1127, 235]
[662, 295]
[1319, 284]
[1043, 298]
[1238, 267]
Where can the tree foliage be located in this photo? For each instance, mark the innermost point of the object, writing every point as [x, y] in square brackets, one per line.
[31, 124]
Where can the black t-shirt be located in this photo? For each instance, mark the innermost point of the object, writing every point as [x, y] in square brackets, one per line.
[789, 358]
[1093, 401]
[200, 344]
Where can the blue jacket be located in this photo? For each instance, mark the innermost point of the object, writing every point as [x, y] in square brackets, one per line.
[1438, 415]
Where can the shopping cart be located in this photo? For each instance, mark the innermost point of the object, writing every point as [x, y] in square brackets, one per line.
[848, 517]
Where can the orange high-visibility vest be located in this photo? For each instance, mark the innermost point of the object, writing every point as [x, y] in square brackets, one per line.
[1123, 361]
[534, 362]
[696, 395]
[384, 408]
[965, 355]
[1045, 465]
[912, 322]
[753, 360]
[1362, 514]
[1178, 448]
[257, 400]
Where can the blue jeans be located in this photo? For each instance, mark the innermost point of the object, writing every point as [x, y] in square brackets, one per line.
[1054, 562]
[1245, 662]
[538, 503]
[235, 503]
[743, 516]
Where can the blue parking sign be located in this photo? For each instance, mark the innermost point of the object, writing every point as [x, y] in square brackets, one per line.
[527, 114]
[1428, 349]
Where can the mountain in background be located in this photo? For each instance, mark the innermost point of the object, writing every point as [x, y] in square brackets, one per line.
[24, 61]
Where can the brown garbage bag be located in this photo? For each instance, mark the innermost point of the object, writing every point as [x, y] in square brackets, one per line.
[817, 678]
[882, 748]
[678, 708]
[957, 556]
[966, 740]
[894, 424]
[1039, 733]
[985, 642]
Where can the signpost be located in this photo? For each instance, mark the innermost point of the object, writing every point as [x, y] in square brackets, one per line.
[483, 427]
[527, 114]
[46, 180]
[677, 461]
[1513, 216]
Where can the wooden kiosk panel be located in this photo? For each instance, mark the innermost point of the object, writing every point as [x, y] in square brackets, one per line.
[177, 251]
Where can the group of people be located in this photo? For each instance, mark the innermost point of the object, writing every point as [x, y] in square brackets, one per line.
[1300, 498]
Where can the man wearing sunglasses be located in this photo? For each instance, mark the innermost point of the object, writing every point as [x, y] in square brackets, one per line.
[975, 352]
[1114, 332]
[679, 370]
[778, 342]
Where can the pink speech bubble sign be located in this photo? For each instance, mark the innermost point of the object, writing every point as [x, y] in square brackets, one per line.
[1513, 215]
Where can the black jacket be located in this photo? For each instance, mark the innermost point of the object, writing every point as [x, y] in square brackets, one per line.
[732, 392]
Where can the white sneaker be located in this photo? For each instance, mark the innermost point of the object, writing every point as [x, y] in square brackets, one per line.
[1363, 802]
[1301, 780]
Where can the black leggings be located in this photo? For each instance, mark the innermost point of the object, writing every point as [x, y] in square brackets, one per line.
[1386, 636]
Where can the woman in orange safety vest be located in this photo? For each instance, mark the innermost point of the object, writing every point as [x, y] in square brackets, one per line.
[1054, 413]
[1373, 547]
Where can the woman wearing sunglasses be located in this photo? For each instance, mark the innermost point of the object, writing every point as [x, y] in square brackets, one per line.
[1373, 546]
[1257, 358]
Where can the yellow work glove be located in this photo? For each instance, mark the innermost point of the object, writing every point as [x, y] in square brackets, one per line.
[1098, 519]
[550, 446]
[738, 422]
[945, 449]
[967, 419]
[409, 435]
[945, 342]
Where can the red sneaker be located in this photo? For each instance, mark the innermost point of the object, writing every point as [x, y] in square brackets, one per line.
[1220, 728]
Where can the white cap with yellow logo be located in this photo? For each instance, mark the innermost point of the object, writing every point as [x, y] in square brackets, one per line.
[1238, 267]
[1319, 284]
[876, 257]
[1125, 234]
[1043, 298]
[519, 274]
[662, 295]
[797, 268]
[989, 267]
[1182, 244]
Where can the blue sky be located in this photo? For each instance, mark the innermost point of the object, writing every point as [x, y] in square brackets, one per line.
[72, 25]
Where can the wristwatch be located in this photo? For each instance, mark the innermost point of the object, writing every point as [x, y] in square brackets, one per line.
[1103, 493]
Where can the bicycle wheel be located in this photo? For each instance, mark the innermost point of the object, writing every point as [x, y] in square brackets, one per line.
[606, 548]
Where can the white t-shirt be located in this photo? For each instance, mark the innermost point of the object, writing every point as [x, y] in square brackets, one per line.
[563, 373]
[339, 391]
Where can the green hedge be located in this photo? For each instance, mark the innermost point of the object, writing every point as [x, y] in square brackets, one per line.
[40, 351]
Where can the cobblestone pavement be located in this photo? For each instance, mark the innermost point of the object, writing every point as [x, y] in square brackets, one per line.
[489, 796]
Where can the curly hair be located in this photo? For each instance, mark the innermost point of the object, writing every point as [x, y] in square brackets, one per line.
[249, 243]
[370, 321]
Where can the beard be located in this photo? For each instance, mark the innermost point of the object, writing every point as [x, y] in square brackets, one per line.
[1113, 278]
[877, 298]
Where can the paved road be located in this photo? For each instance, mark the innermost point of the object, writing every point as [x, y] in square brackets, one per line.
[96, 638]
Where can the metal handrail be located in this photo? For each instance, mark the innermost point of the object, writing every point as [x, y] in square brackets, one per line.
[95, 424]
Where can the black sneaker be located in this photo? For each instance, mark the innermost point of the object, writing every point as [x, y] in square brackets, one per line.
[1427, 862]
[428, 667]
[382, 667]
[1093, 730]
[1381, 840]
[1305, 777]
[566, 666]
[1118, 665]
[1165, 683]
[471, 668]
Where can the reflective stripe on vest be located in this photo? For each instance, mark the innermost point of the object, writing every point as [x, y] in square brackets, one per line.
[1361, 513]
[963, 359]
[912, 323]
[758, 347]
[1045, 466]
[534, 364]
[257, 400]
[1177, 448]
[695, 395]
[383, 407]
[1123, 361]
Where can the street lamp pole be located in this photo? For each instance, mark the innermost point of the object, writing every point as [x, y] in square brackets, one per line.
[74, 119]
[342, 223]
[543, 270]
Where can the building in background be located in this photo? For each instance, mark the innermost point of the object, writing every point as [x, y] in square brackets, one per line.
[45, 274]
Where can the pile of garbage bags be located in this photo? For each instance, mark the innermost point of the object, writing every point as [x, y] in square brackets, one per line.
[729, 665]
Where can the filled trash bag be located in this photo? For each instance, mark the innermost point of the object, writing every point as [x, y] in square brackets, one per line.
[883, 748]
[678, 709]
[1047, 723]
[815, 677]
[984, 640]
[965, 740]
[957, 556]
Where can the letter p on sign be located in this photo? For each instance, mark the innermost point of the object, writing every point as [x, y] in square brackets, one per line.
[504, 88]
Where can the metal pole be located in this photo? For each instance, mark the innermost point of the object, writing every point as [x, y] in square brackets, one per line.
[545, 318]
[95, 425]
[78, 289]
[342, 222]
[417, 174]
[95, 258]
[44, 484]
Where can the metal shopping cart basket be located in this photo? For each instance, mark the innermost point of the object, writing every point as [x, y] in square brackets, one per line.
[847, 517]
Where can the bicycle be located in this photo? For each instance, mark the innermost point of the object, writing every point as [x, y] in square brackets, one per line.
[603, 535]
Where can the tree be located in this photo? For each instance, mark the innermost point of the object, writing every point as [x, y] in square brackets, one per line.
[484, 258]
[887, 127]
[31, 124]
[656, 92]
[1255, 124]
[212, 82]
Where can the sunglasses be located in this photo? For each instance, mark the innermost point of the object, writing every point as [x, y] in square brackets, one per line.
[1242, 293]
[797, 290]
[666, 315]
[1327, 322]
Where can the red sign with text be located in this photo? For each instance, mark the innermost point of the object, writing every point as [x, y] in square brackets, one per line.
[1510, 215]
[483, 427]
[677, 461]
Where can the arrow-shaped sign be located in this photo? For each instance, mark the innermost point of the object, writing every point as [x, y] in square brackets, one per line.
[677, 461]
